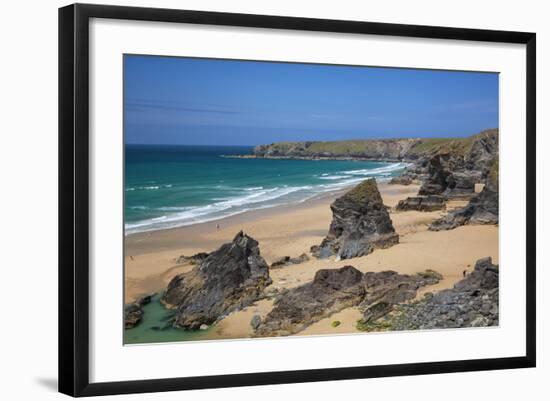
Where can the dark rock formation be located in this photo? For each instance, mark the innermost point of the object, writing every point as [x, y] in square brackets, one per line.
[461, 185]
[401, 180]
[473, 302]
[383, 290]
[360, 223]
[437, 176]
[422, 203]
[330, 291]
[287, 261]
[133, 313]
[333, 290]
[194, 259]
[482, 209]
[229, 279]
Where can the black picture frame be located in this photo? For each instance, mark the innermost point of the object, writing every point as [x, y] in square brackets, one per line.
[74, 198]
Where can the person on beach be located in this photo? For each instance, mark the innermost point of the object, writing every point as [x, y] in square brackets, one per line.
[217, 227]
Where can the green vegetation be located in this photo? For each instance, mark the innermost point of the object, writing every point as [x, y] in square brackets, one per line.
[429, 273]
[379, 325]
[365, 190]
[336, 323]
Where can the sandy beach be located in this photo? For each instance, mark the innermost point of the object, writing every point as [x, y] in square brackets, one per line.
[150, 261]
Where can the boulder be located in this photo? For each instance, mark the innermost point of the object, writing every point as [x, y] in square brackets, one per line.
[230, 278]
[360, 224]
[287, 261]
[422, 203]
[401, 180]
[133, 313]
[330, 291]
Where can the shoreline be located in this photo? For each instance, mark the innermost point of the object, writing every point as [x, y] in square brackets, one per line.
[290, 230]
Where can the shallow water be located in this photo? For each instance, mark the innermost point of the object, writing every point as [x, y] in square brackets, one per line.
[155, 327]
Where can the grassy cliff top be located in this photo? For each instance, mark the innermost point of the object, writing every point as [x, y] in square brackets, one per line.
[367, 189]
[376, 147]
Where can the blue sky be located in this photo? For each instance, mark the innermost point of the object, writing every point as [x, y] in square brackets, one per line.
[172, 100]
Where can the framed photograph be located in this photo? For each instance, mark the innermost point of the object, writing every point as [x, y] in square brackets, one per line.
[251, 199]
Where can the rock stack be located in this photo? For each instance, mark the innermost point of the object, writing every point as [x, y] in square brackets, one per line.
[360, 224]
[230, 278]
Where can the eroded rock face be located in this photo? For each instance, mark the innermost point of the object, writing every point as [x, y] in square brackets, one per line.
[133, 313]
[473, 302]
[422, 203]
[360, 224]
[229, 279]
[330, 291]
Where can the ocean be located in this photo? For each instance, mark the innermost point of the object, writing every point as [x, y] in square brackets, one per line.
[170, 186]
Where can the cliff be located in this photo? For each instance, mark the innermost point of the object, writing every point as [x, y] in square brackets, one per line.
[410, 149]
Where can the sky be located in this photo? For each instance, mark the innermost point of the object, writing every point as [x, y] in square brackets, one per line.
[176, 100]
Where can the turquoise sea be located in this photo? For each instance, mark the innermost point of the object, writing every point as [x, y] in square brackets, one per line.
[169, 186]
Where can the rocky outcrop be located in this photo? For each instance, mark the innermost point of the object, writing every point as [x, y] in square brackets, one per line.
[401, 180]
[360, 224]
[422, 203]
[333, 290]
[230, 278]
[461, 185]
[287, 261]
[473, 302]
[384, 290]
[133, 313]
[193, 260]
[330, 291]
[437, 176]
[482, 209]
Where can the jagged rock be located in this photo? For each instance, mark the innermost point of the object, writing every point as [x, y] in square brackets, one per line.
[330, 291]
[133, 313]
[401, 180]
[437, 176]
[482, 208]
[461, 185]
[422, 203]
[230, 278]
[385, 289]
[194, 259]
[481, 154]
[255, 321]
[287, 260]
[473, 302]
[360, 223]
